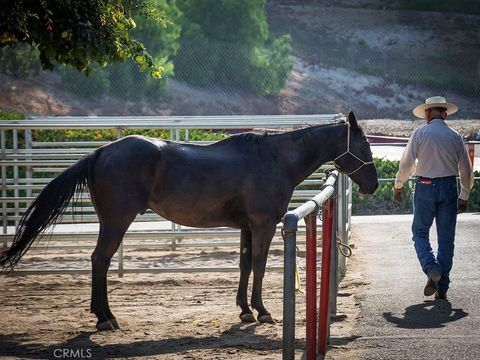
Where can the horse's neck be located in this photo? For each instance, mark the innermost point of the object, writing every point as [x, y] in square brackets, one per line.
[304, 151]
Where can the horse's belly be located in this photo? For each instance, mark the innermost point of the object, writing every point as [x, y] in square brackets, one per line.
[187, 214]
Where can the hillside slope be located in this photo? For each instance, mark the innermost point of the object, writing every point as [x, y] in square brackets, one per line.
[347, 55]
[356, 55]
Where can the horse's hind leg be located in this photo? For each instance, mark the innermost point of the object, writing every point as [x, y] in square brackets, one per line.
[261, 240]
[245, 269]
[111, 235]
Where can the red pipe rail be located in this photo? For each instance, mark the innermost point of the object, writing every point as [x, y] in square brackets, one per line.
[316, 337]
[471, 152]
[311, 285]
[324, 305]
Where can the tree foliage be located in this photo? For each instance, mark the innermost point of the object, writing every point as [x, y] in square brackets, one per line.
[20, 61]
[79, 33]
[240, 22]
[162, 44]
[207, 42]
[227, 42]
[381, 202]
[123, 79]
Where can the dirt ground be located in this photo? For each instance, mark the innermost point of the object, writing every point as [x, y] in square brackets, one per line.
[162, 316]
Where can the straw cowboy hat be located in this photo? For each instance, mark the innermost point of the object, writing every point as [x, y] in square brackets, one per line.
[435, 101]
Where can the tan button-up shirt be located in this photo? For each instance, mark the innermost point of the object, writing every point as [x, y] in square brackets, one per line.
[439, 151]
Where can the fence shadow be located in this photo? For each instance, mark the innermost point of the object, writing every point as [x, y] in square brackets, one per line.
[82, 345]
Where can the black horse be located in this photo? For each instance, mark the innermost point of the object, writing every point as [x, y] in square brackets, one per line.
[244, 182]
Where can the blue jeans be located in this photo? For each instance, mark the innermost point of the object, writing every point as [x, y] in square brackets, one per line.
[435, 199]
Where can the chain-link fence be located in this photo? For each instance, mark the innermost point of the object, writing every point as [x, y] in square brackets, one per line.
[317, 59]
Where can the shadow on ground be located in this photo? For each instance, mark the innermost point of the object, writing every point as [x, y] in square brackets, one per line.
[82, 346]
[427, 315]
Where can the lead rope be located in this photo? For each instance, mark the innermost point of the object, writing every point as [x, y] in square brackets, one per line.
[344, 249]
[298, 286]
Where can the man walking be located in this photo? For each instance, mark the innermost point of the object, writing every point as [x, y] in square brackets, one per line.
[441, 156]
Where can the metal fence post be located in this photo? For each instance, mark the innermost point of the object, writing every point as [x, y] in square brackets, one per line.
[120, 248]
[177, 227]
[290, 227]
[173, 245]
[349, 210]
[341, 199]
[29, 171]
[174, 136]
[15, 173]
[342, 213]
[4, 185]
[334, 276]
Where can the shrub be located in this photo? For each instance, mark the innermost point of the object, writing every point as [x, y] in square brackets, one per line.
[162, 43]
[370, 68]
[6, 115]
[21, 61]
[124, 80]
[111, 135]
[206, 135]
[197, 58]
[93, 85]
[270, 67]
[474, 199]
[381, 203]
[226, 42]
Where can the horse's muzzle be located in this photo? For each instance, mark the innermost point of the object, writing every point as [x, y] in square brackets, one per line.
[368, 189]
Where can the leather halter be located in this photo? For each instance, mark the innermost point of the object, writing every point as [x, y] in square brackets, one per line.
[363, 163]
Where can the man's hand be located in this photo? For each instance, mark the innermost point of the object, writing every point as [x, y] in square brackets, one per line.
[397, 194]
[461, 206]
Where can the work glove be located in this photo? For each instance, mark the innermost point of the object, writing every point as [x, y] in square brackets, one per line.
[461, 206]
[397, 195]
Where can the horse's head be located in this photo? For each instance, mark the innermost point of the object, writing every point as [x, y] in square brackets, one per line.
[354, 157]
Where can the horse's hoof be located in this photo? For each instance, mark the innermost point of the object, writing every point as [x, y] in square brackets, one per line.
[266, 318]
[105, 325]
[114, 323]
[248, 318]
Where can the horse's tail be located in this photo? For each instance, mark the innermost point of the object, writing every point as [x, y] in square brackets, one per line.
[47, 209]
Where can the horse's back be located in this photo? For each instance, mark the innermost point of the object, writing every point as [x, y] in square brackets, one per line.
[192, 185]
[122, 173]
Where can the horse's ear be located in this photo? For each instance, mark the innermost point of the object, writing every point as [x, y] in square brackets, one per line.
[352, 120]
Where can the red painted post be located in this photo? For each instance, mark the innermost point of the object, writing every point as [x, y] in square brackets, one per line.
[471, 153]
[325, 276]
[311, 279]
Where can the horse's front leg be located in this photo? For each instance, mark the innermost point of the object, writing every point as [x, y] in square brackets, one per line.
[245, 269]
[261, 240]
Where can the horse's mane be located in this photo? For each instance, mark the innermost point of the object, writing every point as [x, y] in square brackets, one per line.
[252, 138]
[244, 139]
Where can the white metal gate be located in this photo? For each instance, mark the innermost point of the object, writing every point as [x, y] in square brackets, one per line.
[23, 171]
